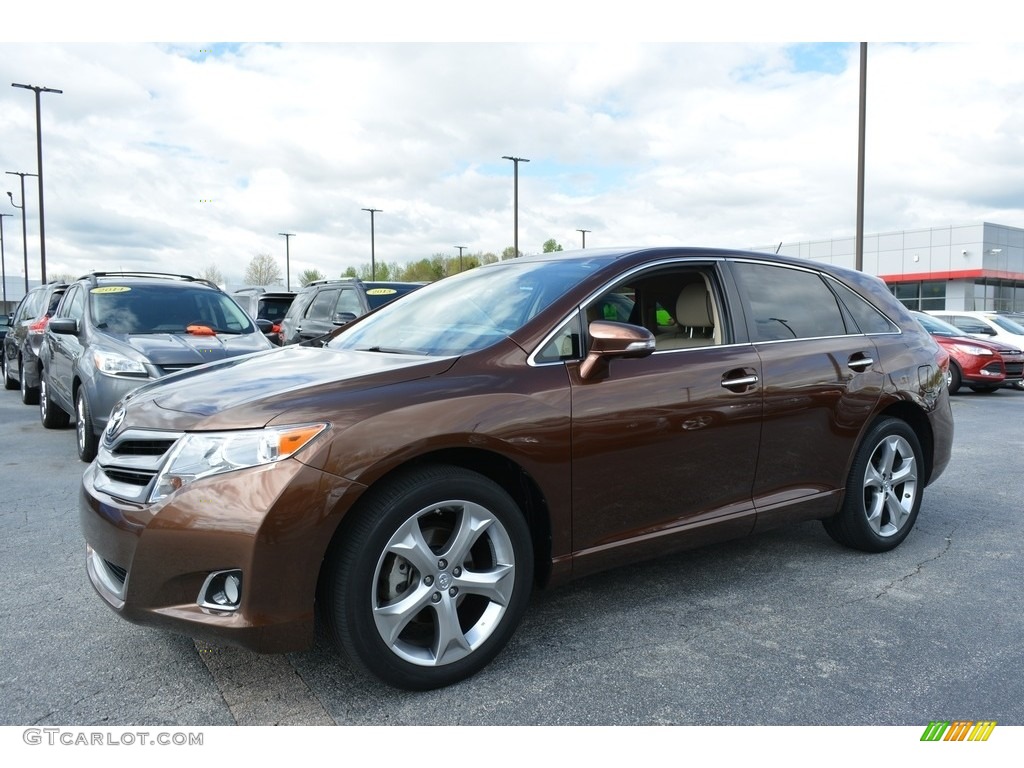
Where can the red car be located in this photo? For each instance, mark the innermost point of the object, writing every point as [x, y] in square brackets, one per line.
[984, 366]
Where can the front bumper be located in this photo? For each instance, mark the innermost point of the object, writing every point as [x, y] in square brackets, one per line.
[149, 562]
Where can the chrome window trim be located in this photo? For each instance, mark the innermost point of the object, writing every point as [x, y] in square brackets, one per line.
[696, 260]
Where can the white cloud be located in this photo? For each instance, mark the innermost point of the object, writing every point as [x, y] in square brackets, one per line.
[166, 157]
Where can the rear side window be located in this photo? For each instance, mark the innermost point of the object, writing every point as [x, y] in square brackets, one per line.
[322, 306]
[786, 303]
[868, 319]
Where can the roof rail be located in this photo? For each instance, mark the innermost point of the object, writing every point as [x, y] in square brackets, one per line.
[92, 276]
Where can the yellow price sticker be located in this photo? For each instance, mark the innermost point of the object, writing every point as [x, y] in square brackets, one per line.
[380, 291]
[111, 289]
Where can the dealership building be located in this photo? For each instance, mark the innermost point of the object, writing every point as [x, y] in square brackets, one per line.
[974, 266]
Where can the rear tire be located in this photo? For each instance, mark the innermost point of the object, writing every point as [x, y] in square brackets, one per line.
[9, 383]
[428, 583]
[29, 395]
[883, 490]
[52, 416]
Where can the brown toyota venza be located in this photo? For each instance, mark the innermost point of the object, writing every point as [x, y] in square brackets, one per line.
[513, 426]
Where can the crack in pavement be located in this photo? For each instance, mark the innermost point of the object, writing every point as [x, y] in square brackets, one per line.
[262, 689]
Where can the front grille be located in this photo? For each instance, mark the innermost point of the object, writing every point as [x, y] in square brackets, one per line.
[116, 571]
[1014, 370]
[142, 447]
[129, 463]
[167, 369]
[994, 367]
[140, 479]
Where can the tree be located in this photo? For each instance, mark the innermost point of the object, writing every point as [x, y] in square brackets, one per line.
[509, 253]
[309, 275]
[263, 270]
[550, 246]
[211, 273]
[62, 277]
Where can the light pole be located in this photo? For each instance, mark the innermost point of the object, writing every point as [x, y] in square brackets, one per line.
[515, 200]
[39, 169]
[584, 233]
[373, 255]
[24, 236]
[3, 258]
[461, 249]
[287, 259]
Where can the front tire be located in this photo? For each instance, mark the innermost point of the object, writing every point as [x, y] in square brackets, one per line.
[954, 379]
[84, 431]
[883, 490]
[428, 583]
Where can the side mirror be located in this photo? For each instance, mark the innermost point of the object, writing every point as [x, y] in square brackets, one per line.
[265, 326]
[341, 318]
[611, 340]
[63, 325]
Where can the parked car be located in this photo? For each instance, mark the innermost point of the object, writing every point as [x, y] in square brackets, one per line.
[116, 330]
[5, 323]
[379, 293]
[984, 366]
[271, 306]
[321, 307]
[991, 326]
[21, 344]
[416, 477]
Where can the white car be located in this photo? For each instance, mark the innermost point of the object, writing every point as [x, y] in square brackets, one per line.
[991, 326]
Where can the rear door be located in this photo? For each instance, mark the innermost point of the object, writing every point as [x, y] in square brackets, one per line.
[821, 382]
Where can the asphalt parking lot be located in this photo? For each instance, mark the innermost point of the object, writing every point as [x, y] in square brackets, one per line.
[784, 628]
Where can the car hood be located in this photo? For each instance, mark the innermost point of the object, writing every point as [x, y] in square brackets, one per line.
[175, 349]
[251, 391]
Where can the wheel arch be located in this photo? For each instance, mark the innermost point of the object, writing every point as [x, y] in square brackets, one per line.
[501, 470]
[917, 420]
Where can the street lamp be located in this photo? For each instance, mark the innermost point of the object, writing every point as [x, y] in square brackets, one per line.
[515, 207]
[3, 258]
[461, 249]
[373, 255]
[24, 237]
[584, 233]
[39, 168]
[287, 259]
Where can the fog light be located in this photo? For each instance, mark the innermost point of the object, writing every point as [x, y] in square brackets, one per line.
[222, 591]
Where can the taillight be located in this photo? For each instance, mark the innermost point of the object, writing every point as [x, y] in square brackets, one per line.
[39, 326]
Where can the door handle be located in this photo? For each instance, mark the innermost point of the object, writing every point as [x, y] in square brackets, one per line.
[740, 379]
[860, 362]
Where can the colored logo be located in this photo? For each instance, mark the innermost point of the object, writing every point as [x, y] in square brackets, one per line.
[958, 730]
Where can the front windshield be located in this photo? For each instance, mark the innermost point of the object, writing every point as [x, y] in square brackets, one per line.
[935, 326]
[164, 309]
[1008, 325]
[466, 312]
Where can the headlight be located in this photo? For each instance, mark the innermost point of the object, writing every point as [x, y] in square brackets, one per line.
[201, 454]
[114, 364]
[970, 349]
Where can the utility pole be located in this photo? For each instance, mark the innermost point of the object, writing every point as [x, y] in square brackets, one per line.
[287, 259]
[515, 202]
[39, 172]
[24, 235]
[373, 255]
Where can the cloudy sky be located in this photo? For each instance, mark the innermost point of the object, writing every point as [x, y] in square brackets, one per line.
[180, 155]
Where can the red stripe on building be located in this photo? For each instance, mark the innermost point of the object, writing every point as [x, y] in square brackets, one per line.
[960, 274]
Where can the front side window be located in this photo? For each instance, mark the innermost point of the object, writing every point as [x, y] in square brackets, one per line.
[786, 303]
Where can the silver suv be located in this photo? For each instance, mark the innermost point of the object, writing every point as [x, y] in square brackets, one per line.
[115, 331]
